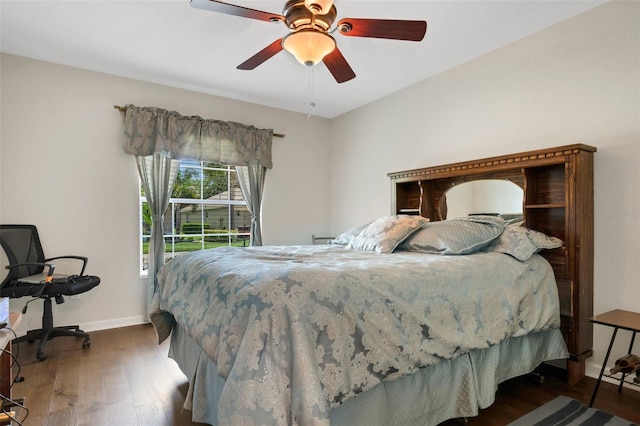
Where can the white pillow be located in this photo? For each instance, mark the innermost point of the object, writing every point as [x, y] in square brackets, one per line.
[384, 234]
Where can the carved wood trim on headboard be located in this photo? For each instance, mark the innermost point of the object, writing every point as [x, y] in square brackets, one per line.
[558, 200]
[523, 159]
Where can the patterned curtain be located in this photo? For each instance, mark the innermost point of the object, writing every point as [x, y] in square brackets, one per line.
[151, 130]
[159, 139]
[158, 174]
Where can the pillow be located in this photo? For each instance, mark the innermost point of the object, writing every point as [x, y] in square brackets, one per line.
[347, 236]
[512, 218]
[384, 234]
[522, 243]
[463, 235]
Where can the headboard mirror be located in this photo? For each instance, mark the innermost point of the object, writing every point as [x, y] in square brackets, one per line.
[556, 199]
[485, 196]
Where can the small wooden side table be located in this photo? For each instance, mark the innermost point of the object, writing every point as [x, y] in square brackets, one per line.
[618, 319]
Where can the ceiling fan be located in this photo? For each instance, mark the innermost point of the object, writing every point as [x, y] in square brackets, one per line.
[310, 25]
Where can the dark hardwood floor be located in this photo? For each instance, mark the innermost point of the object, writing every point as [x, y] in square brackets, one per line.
[125, 378]
[522, 395]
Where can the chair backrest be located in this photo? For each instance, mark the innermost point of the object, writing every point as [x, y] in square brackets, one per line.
[21, 244]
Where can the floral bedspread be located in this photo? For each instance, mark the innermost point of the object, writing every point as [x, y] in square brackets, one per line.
[296, 330]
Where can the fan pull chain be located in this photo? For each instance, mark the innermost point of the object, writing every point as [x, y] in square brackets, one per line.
[312, 102]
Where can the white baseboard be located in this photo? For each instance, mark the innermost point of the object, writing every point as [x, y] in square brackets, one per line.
[104, 325]
[114, 323]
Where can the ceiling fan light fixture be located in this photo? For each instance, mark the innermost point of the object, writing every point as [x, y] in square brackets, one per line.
[318, 7]
[309, 46]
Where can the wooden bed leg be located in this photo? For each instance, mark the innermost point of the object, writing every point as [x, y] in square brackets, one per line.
[575, 370]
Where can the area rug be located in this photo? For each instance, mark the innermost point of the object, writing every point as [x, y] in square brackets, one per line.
[564, 411]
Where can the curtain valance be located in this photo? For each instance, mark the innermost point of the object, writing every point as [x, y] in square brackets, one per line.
[148, 130]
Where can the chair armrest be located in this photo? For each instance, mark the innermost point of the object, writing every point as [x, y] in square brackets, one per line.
[51, 267]
[84, 261]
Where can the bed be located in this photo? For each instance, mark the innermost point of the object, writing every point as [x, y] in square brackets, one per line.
[401, 321]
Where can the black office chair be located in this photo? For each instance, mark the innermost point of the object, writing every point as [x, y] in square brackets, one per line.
[27, 277]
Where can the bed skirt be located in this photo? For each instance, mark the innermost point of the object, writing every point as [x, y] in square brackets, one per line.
[451, 389]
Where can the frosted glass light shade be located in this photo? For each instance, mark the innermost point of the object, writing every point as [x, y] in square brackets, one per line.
[309, 46]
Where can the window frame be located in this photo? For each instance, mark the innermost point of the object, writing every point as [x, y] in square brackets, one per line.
[233, 235]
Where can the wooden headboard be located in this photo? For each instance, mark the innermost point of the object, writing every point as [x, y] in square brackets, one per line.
[558, 200]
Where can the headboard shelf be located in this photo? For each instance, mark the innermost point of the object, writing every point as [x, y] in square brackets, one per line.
[545, 206]
[557, 185]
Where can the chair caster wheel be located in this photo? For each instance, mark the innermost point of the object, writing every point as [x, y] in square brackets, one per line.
[86, 343]
[41, 356]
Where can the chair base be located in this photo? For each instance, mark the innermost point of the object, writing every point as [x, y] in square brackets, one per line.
[45, 335]
[48, 331]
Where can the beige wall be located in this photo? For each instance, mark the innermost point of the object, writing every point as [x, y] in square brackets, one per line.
[61, 165]
[62, 168]
[576, 82]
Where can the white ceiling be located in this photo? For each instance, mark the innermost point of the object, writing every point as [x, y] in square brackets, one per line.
[169, 42]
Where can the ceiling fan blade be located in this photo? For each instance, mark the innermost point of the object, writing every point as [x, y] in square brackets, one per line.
[383, 28]
[231, 9]
[338, 66]
[261, 56]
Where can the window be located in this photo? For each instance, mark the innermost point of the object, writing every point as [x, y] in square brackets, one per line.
[206, 210]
